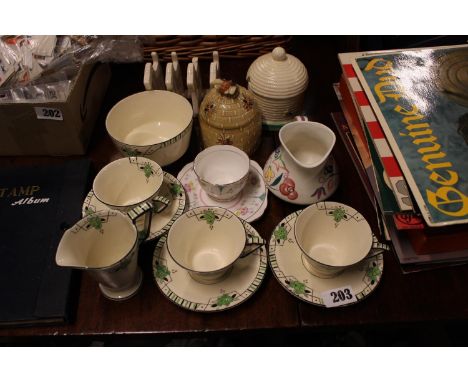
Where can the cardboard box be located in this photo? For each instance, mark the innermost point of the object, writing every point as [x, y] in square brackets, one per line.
[55, 128]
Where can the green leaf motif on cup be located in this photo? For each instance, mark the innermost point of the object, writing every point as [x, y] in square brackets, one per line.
[209, 216]
[94, 220]
[339, 214]
[224, 299]
[162, 272]
[148, 170]
[281, 233]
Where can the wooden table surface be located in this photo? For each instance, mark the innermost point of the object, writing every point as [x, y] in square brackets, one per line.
[400, 298]
[151, 312]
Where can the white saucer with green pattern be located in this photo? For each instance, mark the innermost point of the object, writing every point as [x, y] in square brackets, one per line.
[285, 259]
[176, 284]
[161, 222]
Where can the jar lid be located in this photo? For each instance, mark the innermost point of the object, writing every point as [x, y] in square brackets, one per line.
[277, 75]
[228, 106]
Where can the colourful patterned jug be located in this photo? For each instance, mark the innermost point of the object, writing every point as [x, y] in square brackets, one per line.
[302, 170]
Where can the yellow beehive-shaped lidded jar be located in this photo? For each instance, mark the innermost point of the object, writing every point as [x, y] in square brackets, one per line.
[229, 115]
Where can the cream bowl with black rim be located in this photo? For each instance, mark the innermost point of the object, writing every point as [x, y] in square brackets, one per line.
[156, 124]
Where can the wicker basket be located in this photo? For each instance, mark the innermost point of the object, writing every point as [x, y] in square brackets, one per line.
[202, 47]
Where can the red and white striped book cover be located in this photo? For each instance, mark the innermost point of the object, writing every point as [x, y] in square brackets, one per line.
[390, 164]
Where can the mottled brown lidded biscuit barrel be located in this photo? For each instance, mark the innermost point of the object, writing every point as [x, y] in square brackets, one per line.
[229, 115]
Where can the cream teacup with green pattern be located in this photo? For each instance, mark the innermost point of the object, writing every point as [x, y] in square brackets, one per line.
[128, 182]
[332, 237]
[206, 241]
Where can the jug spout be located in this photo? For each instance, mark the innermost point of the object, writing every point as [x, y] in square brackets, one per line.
[64, 259]
[309, 144]
[70, 255]
[72, 249]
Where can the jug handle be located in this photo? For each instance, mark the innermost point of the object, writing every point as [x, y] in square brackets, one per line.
[137, 212]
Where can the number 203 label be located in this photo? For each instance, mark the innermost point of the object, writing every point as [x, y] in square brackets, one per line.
[338, 296]
[48, 113]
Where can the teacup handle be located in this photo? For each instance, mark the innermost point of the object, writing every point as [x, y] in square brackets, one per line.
[377, 247]
[137, 212]
[160, 203]
[252, 243]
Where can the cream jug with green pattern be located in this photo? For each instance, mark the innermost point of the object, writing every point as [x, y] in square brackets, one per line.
[105, 244]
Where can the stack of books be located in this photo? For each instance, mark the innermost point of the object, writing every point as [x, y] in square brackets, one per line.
[406, 128]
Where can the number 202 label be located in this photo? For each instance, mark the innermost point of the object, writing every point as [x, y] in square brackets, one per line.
[338, 296]
[48, 113]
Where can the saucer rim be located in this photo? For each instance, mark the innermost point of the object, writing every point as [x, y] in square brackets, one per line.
[252, 164]
[180, 209]
[260, 276]
[272, 257]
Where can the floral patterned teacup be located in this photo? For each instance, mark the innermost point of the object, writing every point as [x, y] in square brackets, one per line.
[222, 170]
[332, 237]
[206, 241]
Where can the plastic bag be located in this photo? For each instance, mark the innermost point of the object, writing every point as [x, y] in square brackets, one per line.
[42, 68]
